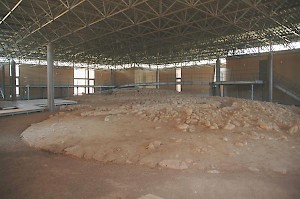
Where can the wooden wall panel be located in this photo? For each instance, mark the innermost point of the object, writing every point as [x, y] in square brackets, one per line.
[37, 76]
[196, 74]
[103, 77]
[244, 67]
[167, 75]
[287, 65]
[64, 76]
[145, 76]
[125, 76]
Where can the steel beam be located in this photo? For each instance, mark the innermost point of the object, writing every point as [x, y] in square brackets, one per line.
[7, 15]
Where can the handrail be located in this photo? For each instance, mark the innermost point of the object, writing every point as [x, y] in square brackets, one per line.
[1, 93]
[287, 83]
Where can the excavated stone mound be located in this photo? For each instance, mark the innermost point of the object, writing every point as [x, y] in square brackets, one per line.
[163, 128]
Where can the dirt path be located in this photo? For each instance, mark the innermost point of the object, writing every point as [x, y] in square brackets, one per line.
[29, 173]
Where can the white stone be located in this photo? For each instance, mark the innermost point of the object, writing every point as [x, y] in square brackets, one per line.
[229, 126]
[264, 125]
[151, 146]
[207, 123]
[239, 144]
[192, 128]
[173, 164]
[106, 119]
[150, 196]
[213, 171]
[189, 161]
[225, 139]
[155, 119]
[188, 111]
[183, 127]
[280, 170]
[282, 137]
[254, 169]
[128, 162]
[194, 121]
[178, 140]
[293, 130]
[214, 126]
[157, 143]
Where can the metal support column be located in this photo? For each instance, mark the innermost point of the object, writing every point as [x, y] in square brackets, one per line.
[50, 79]
[270, 77]
[2, 69]
[68, 91]
[28, 91]
[13, 80]
[88, 80]
[218, 76]
[157, 77]
[223, 88]
[112, 79]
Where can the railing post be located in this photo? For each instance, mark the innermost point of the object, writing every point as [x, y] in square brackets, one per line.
[28, 92]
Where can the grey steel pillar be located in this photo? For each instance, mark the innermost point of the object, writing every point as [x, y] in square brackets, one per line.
[270, 77]
[218, 76]
[2, 69]
[157, 77]
[13, 80]
[50, 79]
[252, 92]
[28, 92]
[112, 79]
[88, 83]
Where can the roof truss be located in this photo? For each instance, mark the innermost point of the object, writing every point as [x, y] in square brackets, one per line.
[143, 31]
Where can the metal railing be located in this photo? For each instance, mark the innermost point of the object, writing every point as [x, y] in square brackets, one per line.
[1, 93]
[239, 75]
[287, 84]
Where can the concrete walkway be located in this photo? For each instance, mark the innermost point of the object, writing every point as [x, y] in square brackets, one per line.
[28, 106]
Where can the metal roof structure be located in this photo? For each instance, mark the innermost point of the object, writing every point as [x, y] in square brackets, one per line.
[143, 31]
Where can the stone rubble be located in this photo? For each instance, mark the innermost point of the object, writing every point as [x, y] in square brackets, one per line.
[173, 164]
[186, 131]
[211, 112]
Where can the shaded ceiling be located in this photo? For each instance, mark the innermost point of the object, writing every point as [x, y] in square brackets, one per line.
[143, 31]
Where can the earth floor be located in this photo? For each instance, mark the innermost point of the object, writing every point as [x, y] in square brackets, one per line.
[27, 172]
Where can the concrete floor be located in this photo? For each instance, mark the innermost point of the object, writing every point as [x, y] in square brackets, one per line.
[28, 106]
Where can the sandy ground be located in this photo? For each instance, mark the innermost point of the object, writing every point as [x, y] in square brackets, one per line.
[169, 145]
